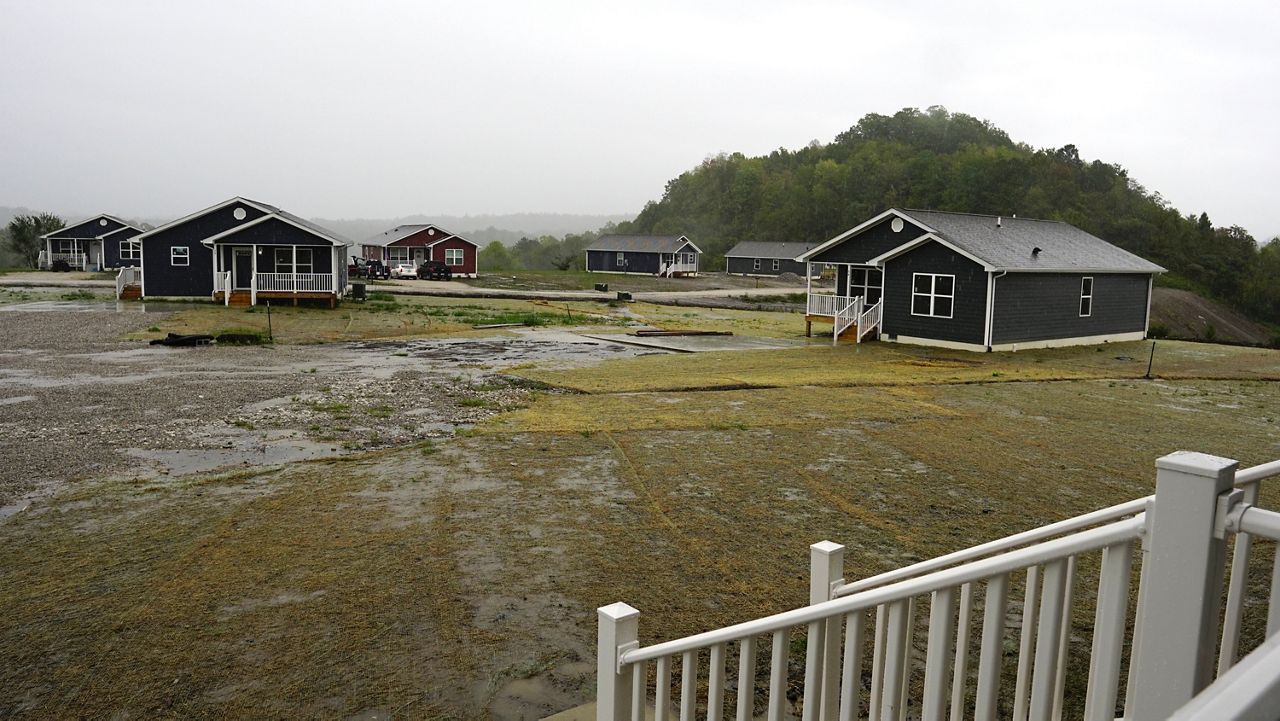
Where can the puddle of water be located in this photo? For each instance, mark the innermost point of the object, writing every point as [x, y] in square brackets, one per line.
[183, 461]
[76, 306]
[497, 352]
[15, 400]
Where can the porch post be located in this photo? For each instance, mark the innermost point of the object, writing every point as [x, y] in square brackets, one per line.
[294, 268]
[617, 630]
[826, 569]
[1184, 563]
[253, 275]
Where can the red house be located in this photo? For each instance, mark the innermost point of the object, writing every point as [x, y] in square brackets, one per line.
[418, 243]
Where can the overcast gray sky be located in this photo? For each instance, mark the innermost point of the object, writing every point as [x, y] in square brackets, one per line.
[381, 109]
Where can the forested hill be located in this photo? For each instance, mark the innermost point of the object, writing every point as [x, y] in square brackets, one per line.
[951, 161]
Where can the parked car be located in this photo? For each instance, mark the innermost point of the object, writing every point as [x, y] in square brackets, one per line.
[435, 270]
[404, 270]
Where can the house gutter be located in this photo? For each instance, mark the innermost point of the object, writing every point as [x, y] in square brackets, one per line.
[991, 308]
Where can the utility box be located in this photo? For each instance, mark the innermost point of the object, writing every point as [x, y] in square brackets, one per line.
[624, 295]
[602, 287]
[357, 291]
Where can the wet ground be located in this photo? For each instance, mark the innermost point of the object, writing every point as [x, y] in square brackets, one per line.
[79, 403]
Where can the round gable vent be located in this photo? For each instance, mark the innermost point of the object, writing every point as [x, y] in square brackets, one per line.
[238, 214]
[896, 225]
[431, 231]
[103, 222]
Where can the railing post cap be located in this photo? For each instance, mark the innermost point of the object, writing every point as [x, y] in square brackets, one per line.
[826, 547]
[1198, 464]
[617, 611]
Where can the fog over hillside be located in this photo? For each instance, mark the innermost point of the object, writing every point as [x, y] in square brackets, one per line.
[507, 228]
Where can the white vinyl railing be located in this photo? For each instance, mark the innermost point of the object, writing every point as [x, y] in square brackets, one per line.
[127, 277]
[295, 282]
[869, 319]
[672, 268]
[77, 261]
[968, 594]
[827, 304]
[222, 284]
[845, 317]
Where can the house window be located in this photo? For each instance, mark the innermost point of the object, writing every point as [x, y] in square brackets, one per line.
[688, 258]
[1086, 297]
[64, 246]
[622, 259]
[398, 255]
[866, 282]
[284, 260]
[179, 255]
[453, 256]
[130, 250]
[755, 264]
[777, 265]
[304, 264]
[932, 295]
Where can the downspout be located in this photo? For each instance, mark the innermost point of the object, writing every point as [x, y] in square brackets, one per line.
[991, 316]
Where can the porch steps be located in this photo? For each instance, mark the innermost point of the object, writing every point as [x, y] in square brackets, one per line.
[130, 292]
[241, 298]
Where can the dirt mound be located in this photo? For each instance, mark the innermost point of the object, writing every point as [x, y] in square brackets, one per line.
[1191, 316]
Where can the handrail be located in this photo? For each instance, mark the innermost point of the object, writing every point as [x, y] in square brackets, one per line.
[1058, 548]
[1257, 473]
[1120, 510]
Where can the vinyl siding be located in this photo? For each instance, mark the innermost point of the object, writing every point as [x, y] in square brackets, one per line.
[969, 314]
[869, 243]
[1045, 306]
[746, 265]
[160, 278]
[468, 254]
[111, 249]
[606, 260]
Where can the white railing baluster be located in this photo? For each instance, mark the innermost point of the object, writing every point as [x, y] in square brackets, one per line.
[960, 669]
[877, 662]
[1273, 606]
[1025, 647]
[938, 654]
[906, 659]
[1044, 676]
[991, 655]
[813, 671]
[895, 658]
[1108, 632]
[715, 683]
[637, 691]
[1236, 591]
[778, 676]
[851, 673]
[746, 679]
[688, 685]
[662, 689]
[1064, 638]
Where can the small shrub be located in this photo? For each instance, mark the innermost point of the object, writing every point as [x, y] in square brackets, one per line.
[1158, 330]
[239, 336]
[1210, 332]
[242, 423]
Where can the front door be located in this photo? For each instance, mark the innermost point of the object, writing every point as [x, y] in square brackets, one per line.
[241, 268]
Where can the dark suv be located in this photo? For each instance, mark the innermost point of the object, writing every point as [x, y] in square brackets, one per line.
[434, 270]
[375, 270]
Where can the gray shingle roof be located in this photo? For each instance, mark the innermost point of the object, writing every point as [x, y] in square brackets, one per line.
[642, 243]
[319, 230]
[768, 249]
[1009, 246]
[387, 237]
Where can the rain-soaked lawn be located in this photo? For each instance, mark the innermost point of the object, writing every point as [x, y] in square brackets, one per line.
[459, 579]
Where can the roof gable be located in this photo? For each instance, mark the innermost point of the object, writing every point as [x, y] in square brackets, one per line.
[768, 249]
[215, 223]
[260, 228]
[91, 228]
[643, 244]
[414, 235]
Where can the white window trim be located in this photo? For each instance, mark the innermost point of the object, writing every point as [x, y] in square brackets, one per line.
[866, 285]
[397, 255]
[777, 264]
[622, 258]
[130, 250]
[455, 256]
[933, 295]
[185, 255]
[1084, 295]
[310, 264]
[755, 264]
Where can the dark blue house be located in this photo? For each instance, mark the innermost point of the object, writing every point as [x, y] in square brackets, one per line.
[97, 243]
[981, 282]
[664, 255]
[241, 252]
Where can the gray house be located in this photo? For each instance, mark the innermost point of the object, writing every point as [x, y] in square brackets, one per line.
[763, 258]
[981, 282]
[664, 255]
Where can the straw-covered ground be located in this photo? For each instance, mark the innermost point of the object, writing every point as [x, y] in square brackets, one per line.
[458, 578]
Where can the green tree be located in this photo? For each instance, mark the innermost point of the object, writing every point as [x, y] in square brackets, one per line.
[24, 233]
[495, 256]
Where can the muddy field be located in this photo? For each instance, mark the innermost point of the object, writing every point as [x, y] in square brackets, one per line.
[453, 571]
[80, 403]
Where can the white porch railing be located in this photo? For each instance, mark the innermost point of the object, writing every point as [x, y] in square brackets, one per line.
[295, 282]
[222, 284]
[672, 268]
[1182, 530]
[845, 317]
[869, 319]
[127, 277]
[827, 304]
[77, 261]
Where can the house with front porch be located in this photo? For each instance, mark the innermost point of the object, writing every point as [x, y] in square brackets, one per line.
[97, 243]
[419, 242]
[662, 255]
[243, 252]
[980, 282]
